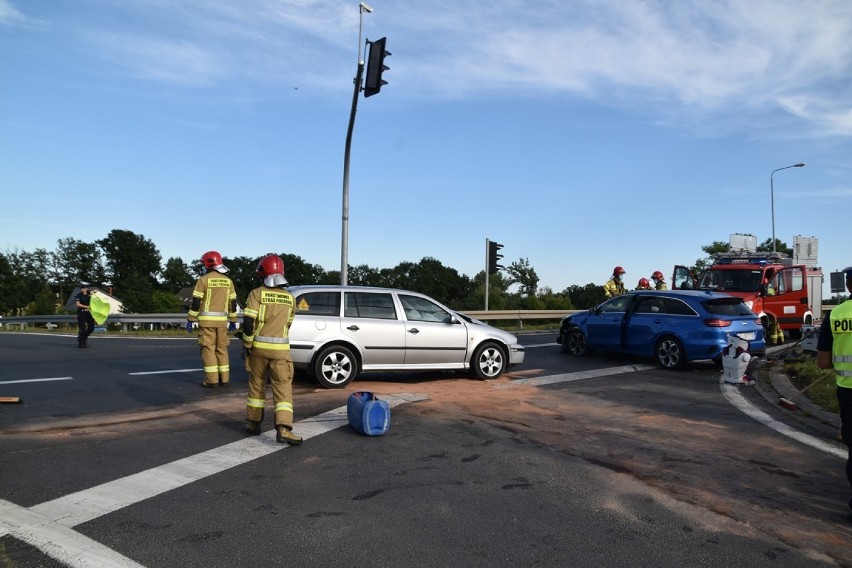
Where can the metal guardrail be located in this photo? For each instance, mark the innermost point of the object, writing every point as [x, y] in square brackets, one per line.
[134, 321]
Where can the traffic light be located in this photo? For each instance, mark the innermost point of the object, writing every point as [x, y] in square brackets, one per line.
[494, 257]
[375, 67]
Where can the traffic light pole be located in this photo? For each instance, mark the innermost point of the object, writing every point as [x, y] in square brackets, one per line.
[344, 238]
[487, 258]
[344, 246]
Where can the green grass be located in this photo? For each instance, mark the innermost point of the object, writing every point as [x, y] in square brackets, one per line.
[816, 384]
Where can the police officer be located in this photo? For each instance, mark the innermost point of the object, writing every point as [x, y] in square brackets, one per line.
[659, 280]
[85, 321]
[834, 351]
[615, 285]
[214, 305]
[269, 311]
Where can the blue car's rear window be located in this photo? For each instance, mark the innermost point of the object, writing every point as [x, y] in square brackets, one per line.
[727, 307]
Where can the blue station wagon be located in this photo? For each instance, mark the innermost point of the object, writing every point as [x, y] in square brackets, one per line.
[673, 327]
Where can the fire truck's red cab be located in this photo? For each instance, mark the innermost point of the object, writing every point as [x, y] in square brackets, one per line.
[772, 287]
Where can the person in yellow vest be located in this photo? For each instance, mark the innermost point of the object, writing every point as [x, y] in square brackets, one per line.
[214, 308]
[269, 311]
[659, 280]
[615, 285]
[834, 351]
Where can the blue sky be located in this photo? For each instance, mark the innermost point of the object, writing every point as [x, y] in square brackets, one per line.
[580, 134]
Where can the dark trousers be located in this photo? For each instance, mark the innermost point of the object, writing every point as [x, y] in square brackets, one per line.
[86, 325]
[844, 397]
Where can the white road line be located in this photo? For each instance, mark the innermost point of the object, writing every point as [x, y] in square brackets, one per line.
[167, 372]
[59, 542]
[37, 380]
[730, 392]
[580, 375]
[47, 525]
[735, 397]
[541, 345]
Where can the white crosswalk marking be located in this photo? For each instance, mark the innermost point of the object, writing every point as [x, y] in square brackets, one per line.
[47, 526]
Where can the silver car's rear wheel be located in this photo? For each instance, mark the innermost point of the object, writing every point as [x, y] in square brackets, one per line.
[335, 367]
[489, 361]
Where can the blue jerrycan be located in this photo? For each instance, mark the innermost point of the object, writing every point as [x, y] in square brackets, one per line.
[368, 414]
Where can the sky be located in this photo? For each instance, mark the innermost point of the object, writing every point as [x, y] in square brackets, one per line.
[580, 134]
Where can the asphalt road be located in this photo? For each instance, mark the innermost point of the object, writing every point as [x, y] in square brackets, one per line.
[117, 457]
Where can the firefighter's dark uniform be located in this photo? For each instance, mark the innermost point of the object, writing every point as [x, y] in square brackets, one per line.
[214, 304]
[266, 326]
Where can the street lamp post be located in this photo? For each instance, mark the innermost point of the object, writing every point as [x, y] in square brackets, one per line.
[772, 196]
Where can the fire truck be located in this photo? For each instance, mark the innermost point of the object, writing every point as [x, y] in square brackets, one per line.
[769, 283]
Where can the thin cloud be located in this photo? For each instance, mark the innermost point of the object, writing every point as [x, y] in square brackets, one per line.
[687, 61]
[9, 15]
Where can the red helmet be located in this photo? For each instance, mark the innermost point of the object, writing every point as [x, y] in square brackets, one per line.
[269, 265]
[212, 260]
[618, 270]
[271, 271]
[657, 274]
[643, 283]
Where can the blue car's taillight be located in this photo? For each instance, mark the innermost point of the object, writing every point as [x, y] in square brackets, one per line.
[715, 322]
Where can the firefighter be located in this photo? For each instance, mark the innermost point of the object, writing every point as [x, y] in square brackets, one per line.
[269, 311]
[659, 281]
[615, 285]
[214, 308]
[644, 284]
[834, 351]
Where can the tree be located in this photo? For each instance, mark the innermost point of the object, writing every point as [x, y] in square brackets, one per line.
[165, 303]
[44, 303]
[27, 277]
[584, 297]
[133, 264]
[177, 275]
[524, 275]
[766, 246]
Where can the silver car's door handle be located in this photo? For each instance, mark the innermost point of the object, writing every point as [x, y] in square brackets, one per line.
[414, 330]
[353, 328]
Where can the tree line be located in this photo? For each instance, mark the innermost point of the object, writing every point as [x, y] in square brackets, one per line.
[131, 268]
[129, 265]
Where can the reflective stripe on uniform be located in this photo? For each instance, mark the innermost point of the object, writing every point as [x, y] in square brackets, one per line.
[270, 346]
[256, 402]
[840, 322]
[284, 407]
[213, 314]
[262, 339]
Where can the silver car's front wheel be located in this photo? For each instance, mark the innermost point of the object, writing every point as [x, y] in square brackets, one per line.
[335, 367]
[489, 361]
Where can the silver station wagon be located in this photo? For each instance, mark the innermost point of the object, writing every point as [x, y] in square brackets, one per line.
[342, 331]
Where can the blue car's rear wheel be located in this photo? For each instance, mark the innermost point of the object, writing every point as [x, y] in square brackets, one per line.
[670, 353]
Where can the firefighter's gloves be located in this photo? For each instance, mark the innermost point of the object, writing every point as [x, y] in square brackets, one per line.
[232, 326]
[246, 352]
[189, 327]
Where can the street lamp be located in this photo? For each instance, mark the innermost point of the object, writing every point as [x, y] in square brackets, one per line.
[772, 194]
